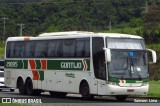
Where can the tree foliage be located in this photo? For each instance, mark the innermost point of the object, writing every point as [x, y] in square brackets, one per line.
[63, 15]
[151, 26]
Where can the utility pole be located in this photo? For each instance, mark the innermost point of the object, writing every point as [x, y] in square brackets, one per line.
[21, 28]
[146, 7]
[110, 25]
[4, 27]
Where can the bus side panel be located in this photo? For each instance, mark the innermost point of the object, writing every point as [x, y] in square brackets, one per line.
[93, 84]
[74, 81]
[47, 82]
[8, 79]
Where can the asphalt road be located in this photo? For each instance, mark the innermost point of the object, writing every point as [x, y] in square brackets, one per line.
[70, 98]
[76, 99]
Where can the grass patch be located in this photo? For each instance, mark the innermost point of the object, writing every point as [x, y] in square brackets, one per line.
[154, 89]
[13, 104]
[1, 52]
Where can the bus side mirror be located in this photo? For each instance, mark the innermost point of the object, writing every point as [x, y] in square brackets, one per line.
[107, 54]
[154, 56]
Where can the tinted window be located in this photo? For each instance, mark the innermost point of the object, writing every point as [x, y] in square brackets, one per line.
[41, 49]
[8, 51]
[87, 48]
[52, 48]
[12, 50]
[99, 58]
[58, 49]
[82, 48]
[19, 50]
[55, 48]
[29, 49]
[68, 48]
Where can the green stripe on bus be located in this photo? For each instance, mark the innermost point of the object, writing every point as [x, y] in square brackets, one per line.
[38, 64]
[128, 81]
[15, 64]
[77, 65]
[67, 65]
[41, 73]
[25, 63]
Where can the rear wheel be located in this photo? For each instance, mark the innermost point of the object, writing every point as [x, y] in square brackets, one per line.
[0, 90]
[21, 87]
[121, 97]
[29, 87]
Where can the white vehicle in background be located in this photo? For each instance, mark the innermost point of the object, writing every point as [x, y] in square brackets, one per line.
[1, 64]
[2, 85]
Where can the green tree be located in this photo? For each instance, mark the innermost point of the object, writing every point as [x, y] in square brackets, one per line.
[151, 23]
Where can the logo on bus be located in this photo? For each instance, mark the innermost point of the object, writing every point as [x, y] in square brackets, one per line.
[74, 65]
[12, 64]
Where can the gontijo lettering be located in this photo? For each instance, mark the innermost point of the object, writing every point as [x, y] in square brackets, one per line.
[74, 65]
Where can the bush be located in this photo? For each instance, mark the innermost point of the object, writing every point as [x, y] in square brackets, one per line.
[154, 69]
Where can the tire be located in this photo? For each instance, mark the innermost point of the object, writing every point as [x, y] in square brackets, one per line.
[121, 97]
[84, 91]
[58, 94]
[12, 90]
[21, 87]
[36, 92]
[29, 87]
[0, 90]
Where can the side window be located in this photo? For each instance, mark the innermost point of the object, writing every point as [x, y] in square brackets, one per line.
[82, 48]
[52, 48]
[58, 49]
[87, 48]
[41, 49]
[29, 49]
[19, 50]
[12, 50]
[99, 58]
[8, 51]
[68, 48]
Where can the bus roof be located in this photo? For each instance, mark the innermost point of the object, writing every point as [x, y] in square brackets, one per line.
[65, 33]
[72, 34]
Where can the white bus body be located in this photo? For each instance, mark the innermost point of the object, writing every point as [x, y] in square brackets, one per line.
[78, 62]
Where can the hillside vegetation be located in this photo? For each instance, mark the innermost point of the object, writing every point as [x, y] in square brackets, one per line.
[139, 17]
[40, 16]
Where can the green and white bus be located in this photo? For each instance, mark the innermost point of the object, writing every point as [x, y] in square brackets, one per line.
[86, 63]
